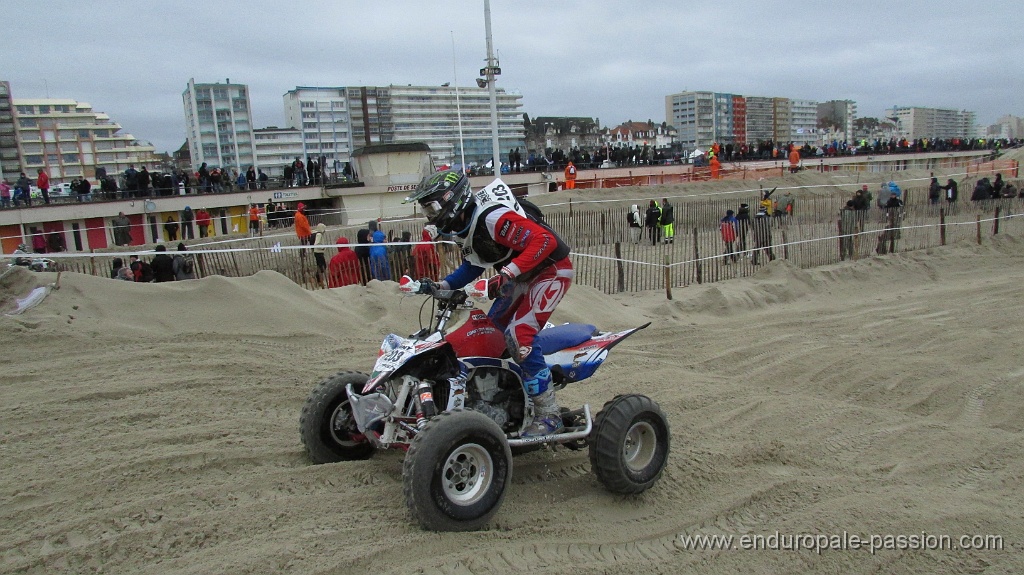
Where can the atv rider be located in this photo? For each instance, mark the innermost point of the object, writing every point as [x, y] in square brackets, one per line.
[534, 272]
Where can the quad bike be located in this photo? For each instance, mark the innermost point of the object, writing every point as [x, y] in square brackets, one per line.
[455, 402]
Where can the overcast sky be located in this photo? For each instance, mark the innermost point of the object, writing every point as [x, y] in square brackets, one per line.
[613, 60]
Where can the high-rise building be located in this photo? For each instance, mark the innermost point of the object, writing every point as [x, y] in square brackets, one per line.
[702, 118]
[760, 119]
[277, 148]
[320, 114]
[838, 116]
[803, 122]
[336, 120]
[914, 122]
[70, 140]
[10, 159]
[218, 125]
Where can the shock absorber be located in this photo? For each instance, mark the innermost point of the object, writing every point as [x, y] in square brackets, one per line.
[425, 398]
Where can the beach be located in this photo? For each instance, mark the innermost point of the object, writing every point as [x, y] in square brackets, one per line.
[153, 428]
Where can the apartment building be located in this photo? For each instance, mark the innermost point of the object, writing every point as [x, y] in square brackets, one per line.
[838, 116]
[10, 159]
[278, 147]
[914, 122]
[320, 115]
[702, 118]
[760, 119]
[70, 140]
[337, 120]
[218, 125]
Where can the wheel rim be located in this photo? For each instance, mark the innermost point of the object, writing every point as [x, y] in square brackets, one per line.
[467, 474]
[640, 445]
[342, 425]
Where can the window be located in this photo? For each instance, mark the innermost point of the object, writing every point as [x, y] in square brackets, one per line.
[70, 158]
[25, 109]
[44, 109]
[307, 104]
[84, 134]
[27, 122]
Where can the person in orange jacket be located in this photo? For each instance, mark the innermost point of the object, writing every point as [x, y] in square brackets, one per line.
[254, 220]
[302, 229]
[344, 267]
[570, 177]
[794, 159]
[716, 167]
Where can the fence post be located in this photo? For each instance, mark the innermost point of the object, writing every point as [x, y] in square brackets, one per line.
[620, 273]
[942, 226]
[668, 280]
[979, 228]
[785, 246]
[570, 207]
[699, 266]
[92, 262]
[603, 239]
[995, 223]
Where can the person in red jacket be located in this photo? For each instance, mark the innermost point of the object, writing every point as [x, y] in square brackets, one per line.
[344, 267]
[43, 183]
[428, 264]
[570, 177]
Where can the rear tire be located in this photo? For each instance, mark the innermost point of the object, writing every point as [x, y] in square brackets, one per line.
[326, 424]
[629, 444]
[457, 471]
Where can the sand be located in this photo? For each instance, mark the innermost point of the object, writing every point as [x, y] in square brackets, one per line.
[153, 429]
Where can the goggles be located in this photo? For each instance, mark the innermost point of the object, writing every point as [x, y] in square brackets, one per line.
[431, 209]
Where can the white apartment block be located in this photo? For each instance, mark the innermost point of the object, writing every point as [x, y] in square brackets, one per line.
[277, 148]
[803, 122]
[337, 120]
[934, 123]
[320, 114]
[69, 140]
[218, 125]
[701, 118]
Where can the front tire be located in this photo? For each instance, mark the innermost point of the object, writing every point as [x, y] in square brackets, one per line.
[457, 471]
[629, 444]
[326, 425]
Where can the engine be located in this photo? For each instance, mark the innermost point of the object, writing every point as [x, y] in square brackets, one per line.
[498, 394]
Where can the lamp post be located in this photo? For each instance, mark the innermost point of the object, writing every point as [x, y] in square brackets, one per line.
[489, 73]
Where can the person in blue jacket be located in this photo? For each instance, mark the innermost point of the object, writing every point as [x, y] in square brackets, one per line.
[380, 269]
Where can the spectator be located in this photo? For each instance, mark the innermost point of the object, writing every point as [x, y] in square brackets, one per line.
[788, 204]
[570, 176]
[205, 183]
[951, 191]
[743, 224]
[762, 227]
[171, 228]
[109, 188]
[184, 264]
[319, 243]
[729, 228]
[934, 191]
[144, 180]
[667, 220]
[5, 194]
[1010, 190]
[982, 190]
[302, 229]
[39, 243]
[119, 271]
[883, 196]
[122, 230]
[343, 269]
[794, 160]
[997, 186]
[131, 181]
[652, 221]
[847, 227]
[362, 250]
[636, 223]
[203, 220]
[403, 255]
[43, 183]
[163, 265]
[250, 177]
[262, 177]
[254, 221]
[142, 270]
[716, 167]
[271, 215]
[23, 191]
[428, 263]
[240, 180]
[187, 217]
[380, 269]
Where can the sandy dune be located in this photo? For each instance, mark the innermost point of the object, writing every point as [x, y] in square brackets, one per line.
[154, 428]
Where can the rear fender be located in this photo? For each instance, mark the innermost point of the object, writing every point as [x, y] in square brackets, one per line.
[579, 362]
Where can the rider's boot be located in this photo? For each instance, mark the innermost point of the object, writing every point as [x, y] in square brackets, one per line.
[547, 417]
